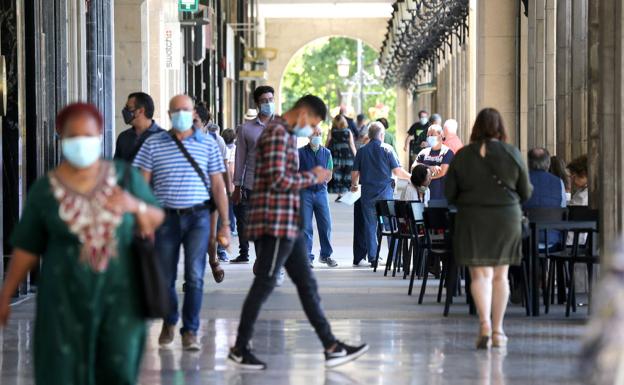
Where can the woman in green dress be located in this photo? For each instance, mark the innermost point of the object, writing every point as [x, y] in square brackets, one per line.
[487, 181]
[88, 327]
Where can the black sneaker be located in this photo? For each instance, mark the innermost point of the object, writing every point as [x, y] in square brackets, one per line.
[245, 360]
[240, 259]
[329, 261]
[343, 354]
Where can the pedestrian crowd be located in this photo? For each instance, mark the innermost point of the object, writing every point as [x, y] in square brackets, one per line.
[194, 186]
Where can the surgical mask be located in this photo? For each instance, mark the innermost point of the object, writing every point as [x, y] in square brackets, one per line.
[303, 132]
[432, 141]
[128, 116]
[424, 121]
[182, 121]
[82, 151]
[267, 109]
[315, 141]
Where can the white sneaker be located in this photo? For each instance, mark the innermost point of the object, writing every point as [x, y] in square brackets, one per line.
[281, 276]
[362, 263]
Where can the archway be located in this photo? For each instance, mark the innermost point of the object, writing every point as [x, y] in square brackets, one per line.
[313, 69]
[290, 35]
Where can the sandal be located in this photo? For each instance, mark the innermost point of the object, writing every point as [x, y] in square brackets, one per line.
[217, 271]
[499, 340]
[484, 338]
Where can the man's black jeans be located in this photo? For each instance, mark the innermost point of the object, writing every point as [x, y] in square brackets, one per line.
[241, 210]
[271, 254]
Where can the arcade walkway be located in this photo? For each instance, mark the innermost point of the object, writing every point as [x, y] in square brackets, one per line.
[410, 344]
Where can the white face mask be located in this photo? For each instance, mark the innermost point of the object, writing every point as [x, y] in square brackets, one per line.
[432, 141]
[316, 141]
[82, 151]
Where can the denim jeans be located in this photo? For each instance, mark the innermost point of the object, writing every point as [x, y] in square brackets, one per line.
[364, 231]
[191, 231]
[241, 211]
[271, 255]
[316, 203]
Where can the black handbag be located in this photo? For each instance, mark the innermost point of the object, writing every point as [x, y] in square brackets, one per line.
[153, 289]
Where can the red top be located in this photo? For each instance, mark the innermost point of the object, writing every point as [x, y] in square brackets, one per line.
[275, 198]
[454, 143]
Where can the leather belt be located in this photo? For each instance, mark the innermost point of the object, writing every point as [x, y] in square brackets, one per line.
[189, 210]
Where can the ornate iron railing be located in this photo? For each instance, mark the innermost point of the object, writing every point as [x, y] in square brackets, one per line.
[417, 34]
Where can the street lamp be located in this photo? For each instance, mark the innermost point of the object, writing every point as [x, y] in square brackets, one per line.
[344, 67]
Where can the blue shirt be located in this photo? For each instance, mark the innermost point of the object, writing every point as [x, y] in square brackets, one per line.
[375, 164]
[175, 182]
[548, 192]
[308, 159]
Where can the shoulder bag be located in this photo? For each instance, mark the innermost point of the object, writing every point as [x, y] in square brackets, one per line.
[153, 290]
[510, 191]
[209, 203]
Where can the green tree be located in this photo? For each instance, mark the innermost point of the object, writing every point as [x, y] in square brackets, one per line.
[314, 71]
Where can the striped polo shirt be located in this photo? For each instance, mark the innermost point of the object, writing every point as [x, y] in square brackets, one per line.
[175, 182]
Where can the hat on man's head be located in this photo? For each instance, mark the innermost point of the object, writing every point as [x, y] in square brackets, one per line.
[251, 114]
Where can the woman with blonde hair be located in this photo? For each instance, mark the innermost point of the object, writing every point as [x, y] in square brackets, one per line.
[342, 146]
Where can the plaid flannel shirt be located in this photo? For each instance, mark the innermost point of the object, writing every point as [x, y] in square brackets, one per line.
[274, 206]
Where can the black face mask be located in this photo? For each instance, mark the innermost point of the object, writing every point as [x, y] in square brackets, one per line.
[128, 116]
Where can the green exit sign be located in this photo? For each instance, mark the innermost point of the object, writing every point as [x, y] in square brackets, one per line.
[188, 5]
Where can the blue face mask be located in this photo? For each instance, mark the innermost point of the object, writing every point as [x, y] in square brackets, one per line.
[82, 151]
[424, 121]
[182, 121]
[315, 141]
[432, 141]
[267, 109]
[303, 132]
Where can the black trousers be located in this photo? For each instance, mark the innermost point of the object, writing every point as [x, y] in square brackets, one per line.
[271, 255]
[241, 210]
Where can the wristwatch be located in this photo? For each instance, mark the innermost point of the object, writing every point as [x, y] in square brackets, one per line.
[142, 209]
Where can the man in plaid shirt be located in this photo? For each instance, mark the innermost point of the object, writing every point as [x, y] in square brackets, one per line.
[274, 225]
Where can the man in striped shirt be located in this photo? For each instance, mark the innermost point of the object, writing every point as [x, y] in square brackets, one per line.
[186, 199]
[274, 225]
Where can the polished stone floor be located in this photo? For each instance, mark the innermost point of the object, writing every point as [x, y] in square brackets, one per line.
[410, 344]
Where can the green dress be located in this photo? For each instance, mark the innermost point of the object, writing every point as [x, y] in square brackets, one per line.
[488, 224]
[88, 326]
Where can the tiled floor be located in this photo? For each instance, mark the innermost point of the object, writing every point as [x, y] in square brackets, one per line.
[410, 344]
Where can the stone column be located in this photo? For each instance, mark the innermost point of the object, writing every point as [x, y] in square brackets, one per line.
[579, 99]
[495, 59]
[606, 61]
[564, 79]
[542, 68]
[100, 66]
[130, 62]
[402, 115]
[550, 70]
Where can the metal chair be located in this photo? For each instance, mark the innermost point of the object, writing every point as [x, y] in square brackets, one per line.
[541, 214]
[386, 227]
[419, 242]
[440, 220]
[577, 252]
